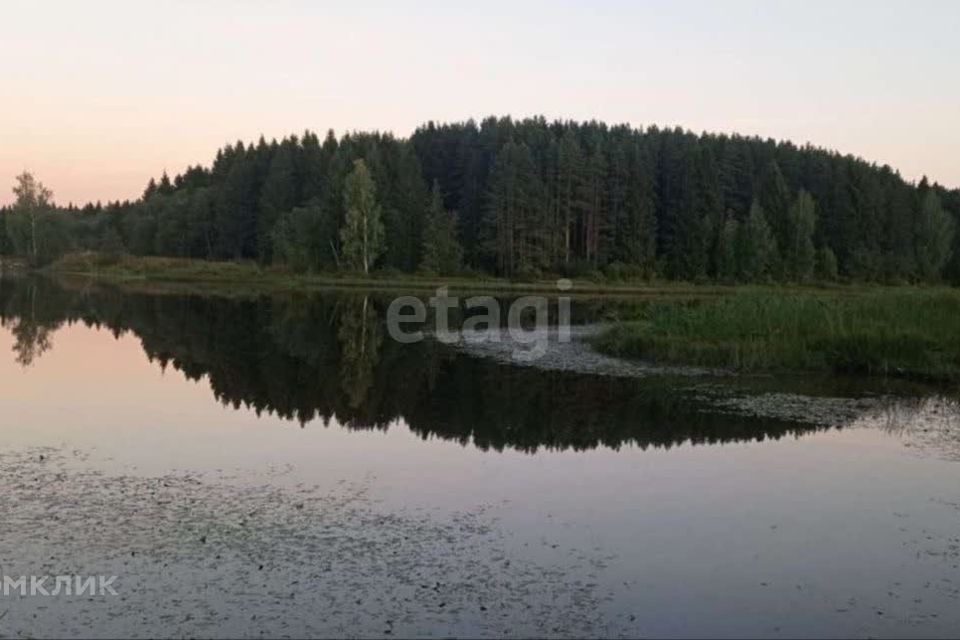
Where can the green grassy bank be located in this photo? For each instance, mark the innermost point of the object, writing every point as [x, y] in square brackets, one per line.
[250, 275]
[909, 332]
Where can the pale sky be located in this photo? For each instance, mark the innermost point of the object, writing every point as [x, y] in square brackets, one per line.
[97, 97]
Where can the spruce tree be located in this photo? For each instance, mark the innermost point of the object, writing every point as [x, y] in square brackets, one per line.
[278, 195]
[236, 206]
[405, 203]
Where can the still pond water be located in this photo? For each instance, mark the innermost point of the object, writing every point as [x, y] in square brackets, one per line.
[277, 465]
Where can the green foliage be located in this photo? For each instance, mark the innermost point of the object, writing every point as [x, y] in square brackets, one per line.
[279, 194]
[513, 228]
[405, 202]
[727, 269]
[39, 236]
[756, 249]
[797, 250]
[826, 269]
[34, 229]
[532, 197]
[111, 244]
[908, 333]
[935, 230]
[5, 245]
[362, 234]
[442, 253]
[304, 239]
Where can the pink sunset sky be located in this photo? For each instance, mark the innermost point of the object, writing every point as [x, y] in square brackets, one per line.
[97, 97]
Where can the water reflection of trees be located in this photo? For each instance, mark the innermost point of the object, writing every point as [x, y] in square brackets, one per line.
[33, 326]
[324, 356]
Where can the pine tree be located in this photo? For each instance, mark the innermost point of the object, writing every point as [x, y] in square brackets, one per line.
[594, 215]
[513, 229]
[775, 200]
[362, 234]
[637, 239]
[569, 187]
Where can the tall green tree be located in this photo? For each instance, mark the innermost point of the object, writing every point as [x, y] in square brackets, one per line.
[756, 246]
[31, 226]
[570, 182]
[362, 234]
[637, 237]
[775, 200]
[797, 249]
[236, 206]
[280, 193]
[935, 229]
[406, 200]
[514, 231]
[441, 250]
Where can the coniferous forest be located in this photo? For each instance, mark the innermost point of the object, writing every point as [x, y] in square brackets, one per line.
[523, 199]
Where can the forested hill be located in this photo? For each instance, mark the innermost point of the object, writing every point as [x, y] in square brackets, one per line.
[522, 198]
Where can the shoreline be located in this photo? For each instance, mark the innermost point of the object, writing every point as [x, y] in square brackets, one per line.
[186, 271]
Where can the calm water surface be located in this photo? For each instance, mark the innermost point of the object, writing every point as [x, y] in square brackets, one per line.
[170, 439]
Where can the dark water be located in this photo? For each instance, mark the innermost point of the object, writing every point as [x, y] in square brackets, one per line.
[170, 439]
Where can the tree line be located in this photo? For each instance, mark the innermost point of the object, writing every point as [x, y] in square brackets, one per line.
[523, 199]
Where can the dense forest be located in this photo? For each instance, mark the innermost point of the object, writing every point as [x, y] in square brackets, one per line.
[523, 199]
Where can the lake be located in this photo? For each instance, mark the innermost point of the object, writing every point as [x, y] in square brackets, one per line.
[278, 465]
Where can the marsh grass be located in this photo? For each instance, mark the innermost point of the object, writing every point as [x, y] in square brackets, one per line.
[903, 332]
